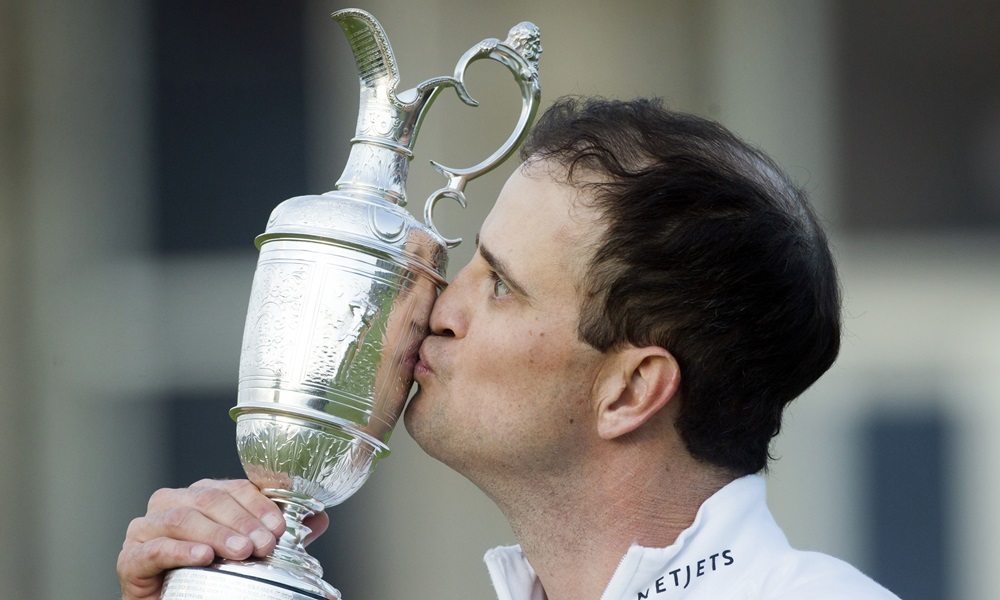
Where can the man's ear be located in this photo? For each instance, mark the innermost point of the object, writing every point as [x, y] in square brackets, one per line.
[639, 383]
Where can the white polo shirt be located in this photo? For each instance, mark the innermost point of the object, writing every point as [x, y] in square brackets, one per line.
[733, 551]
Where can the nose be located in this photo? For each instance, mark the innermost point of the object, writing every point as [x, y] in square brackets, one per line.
[449, 317]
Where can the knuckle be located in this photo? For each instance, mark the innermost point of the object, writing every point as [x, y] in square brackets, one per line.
[136, 558]
[246, 524]
[134, 527]
[155, 550]
[205, 498]
[242, 485]
[176, 519]
[160, 496]
[123, 561]
[250, 496]
[206, 483]
[240, 488]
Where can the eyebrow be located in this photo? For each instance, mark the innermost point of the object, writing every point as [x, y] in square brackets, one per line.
[500, 267]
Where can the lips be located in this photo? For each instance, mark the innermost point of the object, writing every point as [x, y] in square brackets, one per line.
[423, 366]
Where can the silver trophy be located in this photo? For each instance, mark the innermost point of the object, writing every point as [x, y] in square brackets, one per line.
[340, 303]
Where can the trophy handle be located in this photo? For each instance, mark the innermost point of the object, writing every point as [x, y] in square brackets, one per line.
[519, 53]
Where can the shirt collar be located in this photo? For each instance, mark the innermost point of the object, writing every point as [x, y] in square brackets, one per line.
[731, 522]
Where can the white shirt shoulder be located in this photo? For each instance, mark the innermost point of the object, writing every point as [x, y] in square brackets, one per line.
[800, 574]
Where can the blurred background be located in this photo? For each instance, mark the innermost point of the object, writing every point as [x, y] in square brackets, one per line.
[143, 144]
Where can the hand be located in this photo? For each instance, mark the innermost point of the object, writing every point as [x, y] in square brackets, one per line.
[189, 527]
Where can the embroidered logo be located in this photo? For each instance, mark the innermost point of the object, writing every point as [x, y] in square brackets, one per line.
[681, 577]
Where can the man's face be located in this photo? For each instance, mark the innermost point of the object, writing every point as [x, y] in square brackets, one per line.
[505, 383]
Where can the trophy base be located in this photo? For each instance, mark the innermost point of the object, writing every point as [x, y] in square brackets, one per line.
[210, 583]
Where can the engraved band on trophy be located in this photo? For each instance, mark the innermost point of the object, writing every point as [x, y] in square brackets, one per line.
[339, 305]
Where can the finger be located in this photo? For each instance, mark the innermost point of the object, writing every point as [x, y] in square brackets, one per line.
[251, 499]
[141, 566]
[213, 513]
[188, 524]
[318, 523]
[257, 504]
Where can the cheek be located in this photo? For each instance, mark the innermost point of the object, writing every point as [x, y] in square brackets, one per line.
[550, 349]
[535, 367]
[531, 350]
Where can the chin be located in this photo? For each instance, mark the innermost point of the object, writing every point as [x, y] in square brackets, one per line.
[408, 413]
[415, 420]
[421, 427]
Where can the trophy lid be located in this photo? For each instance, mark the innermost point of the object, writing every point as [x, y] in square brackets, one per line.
[361, 221]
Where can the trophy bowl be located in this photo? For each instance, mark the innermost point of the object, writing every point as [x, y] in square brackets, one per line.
[340, 302]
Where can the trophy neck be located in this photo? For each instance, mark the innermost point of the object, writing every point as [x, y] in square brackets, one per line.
[381, 148]
[377, 169]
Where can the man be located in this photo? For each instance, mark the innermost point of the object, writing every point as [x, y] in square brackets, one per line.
[648, 294]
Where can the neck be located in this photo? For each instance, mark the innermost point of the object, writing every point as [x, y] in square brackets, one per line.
[575, 527]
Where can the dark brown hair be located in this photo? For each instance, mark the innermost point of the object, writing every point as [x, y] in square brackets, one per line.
[711, 252]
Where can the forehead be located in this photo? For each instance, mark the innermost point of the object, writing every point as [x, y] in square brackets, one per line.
[540, 222]
[540, 187]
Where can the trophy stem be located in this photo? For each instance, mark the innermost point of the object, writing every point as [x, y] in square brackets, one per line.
[291, 545]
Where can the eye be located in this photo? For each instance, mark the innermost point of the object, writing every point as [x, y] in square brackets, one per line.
[500, 289]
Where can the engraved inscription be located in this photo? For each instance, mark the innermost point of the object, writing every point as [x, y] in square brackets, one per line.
[200, 584]
[276, 302]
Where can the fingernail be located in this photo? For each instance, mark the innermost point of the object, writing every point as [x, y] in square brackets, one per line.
[272, 521]
[236, 543]
[261, 538]
[200, 553]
